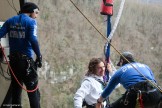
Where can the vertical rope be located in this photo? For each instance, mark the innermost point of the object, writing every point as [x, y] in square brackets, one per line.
[117, 19]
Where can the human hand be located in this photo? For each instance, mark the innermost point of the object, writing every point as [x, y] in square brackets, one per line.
[98, 105]
[109, 68]
[38, 61]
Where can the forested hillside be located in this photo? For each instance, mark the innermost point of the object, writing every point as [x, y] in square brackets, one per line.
[68, 42]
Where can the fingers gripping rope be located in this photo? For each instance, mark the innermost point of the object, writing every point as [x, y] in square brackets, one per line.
[14, 74]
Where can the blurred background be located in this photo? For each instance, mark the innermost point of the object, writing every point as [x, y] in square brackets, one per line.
[68, 42]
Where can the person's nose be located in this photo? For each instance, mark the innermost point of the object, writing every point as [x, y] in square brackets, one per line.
[103, 68]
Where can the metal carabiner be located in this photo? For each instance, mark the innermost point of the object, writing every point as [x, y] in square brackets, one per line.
[126, 100]
[28, 68]
[139, 94]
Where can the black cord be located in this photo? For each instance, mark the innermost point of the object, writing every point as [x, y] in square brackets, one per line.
[12, 6]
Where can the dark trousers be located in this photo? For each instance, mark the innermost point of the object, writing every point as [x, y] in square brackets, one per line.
[87, 106]
[25, 73]
[150, 97]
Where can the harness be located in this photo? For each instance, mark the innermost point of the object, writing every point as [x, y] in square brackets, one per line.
[18, 56]
[31, 69]
[144, 86]
[143, 93]
[103, 83]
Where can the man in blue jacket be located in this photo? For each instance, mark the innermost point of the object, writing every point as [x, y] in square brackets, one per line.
[23, 43]
[136, 80]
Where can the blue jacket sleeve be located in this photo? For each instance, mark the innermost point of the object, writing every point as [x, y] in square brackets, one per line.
[33, 38]
[114, 81]
[35, 46]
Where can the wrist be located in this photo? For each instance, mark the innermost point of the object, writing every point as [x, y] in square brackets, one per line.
[99, 101]
[39, 57]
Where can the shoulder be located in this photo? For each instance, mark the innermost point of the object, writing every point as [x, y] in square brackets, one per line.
[88, 79]
[86, 84]
[141, 65]
[128, 66]
[28, 19]
[11, 19]
[14, 17]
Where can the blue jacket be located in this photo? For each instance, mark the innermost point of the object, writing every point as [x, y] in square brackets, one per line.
[128, 76]
[22, 32]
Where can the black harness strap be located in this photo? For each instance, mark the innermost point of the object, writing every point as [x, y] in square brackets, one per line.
[101, 82]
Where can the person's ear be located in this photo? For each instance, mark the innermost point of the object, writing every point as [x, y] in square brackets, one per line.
[121, 62]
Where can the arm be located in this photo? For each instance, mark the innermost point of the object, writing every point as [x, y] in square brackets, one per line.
[36, 49]
[34, 43]
[112, 71]
[99, 102]
[35, 46]
[114, 81]
[33, 38]
[81, 93]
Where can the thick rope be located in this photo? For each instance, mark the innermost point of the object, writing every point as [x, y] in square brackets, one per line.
[116, 24]
[117, 19]
[108, 40]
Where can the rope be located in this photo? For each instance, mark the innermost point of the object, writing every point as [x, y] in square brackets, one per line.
[12, 6]
[14, 74]
[115, 25]
[108, 40]
[117, 19]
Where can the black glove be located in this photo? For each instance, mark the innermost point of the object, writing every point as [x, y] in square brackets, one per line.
[38, 61]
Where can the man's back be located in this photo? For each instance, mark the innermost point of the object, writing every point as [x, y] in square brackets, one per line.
[130, 75]
[22, 32]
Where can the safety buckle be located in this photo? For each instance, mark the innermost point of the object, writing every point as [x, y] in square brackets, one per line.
[139, 94]
[126, 99]
[28, 70]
